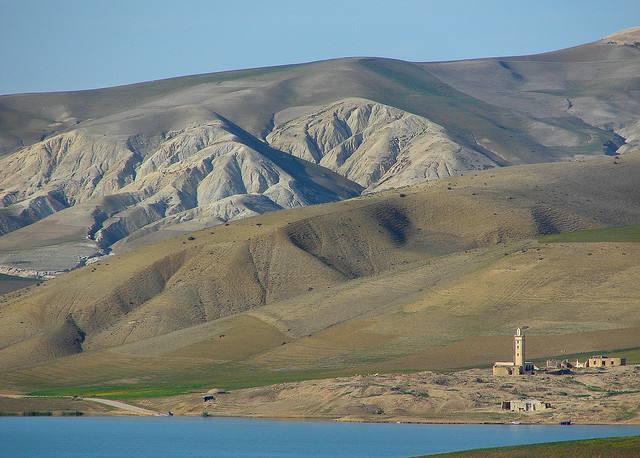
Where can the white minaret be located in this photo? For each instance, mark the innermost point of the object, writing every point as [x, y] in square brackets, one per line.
[518, 351]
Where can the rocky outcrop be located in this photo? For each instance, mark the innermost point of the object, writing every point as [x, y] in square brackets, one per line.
[626, 37]
[75, 165]
[631, 137]
[375, 145]
[196, 174]
[27, 273]
[145, 187]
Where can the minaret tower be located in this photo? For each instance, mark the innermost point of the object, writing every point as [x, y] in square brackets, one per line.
[518, 353]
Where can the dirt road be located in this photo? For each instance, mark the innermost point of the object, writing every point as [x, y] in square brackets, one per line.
[124, 406]
[108, 402]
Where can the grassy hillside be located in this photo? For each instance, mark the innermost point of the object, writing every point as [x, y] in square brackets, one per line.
[592, 448]
[435, 276]
[607, 234]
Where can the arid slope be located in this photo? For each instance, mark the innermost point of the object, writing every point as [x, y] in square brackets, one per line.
[434, 275]
[127, 166]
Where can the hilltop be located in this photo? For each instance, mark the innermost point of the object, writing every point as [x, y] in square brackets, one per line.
[628, 37]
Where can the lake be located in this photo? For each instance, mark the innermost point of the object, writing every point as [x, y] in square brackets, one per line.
[204, 437]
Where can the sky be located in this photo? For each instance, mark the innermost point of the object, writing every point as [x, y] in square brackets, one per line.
[53, 45]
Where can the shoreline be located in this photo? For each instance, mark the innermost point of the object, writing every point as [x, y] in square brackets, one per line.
[322, 420]
[146, 413]
[474, 396]
[466, 397]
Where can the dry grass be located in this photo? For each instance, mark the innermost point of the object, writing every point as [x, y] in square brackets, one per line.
[344, 287]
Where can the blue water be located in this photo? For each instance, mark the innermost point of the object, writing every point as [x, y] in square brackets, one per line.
[205, 437]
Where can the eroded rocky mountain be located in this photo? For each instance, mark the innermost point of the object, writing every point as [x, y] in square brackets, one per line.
[195, 177]
[86, 173]
[375, 145]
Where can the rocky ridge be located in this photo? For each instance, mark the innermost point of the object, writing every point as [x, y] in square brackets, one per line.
[375, 145]
[141, 187]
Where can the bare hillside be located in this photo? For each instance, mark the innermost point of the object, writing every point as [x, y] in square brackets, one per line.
[202, 175]
[130, 165]
[376, 146]
[563, 91]
[406, 278]
[320, 219]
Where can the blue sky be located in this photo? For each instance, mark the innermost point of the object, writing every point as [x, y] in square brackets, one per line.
[51, 45]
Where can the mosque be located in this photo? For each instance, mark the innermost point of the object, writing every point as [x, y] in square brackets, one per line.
[519, 365]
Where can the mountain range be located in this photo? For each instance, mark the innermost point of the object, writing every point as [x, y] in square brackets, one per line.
[326, 218]
[84, 174]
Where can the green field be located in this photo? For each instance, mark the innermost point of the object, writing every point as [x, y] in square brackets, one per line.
[592, 448]
[607, 234]
[229, 378]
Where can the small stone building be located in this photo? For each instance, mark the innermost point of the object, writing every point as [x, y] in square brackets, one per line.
[605, 361]
[579, 365]
[557, 364]
[509, 368]
[525, 405]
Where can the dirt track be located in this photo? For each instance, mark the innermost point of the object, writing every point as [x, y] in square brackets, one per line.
[121, 407]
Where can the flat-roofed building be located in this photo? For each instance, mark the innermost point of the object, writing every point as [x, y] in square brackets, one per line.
[605, 361]
[525, 405]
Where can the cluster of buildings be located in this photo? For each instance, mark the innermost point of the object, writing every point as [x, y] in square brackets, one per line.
[520, 366]
[594, 361]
